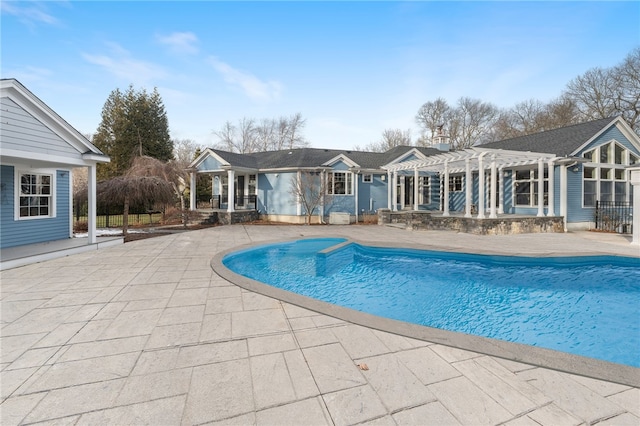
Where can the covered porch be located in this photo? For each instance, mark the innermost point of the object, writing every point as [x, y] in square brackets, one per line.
[232, 189]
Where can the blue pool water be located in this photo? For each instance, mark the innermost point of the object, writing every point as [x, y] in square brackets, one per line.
[587, 306]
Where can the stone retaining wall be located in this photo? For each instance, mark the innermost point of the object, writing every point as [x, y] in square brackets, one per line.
[504, 225]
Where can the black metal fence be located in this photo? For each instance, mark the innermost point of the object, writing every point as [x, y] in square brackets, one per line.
[239, 203]
[614, 216]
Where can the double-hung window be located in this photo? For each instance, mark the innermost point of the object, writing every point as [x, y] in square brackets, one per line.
[35, 195]
[526, 188]
[340, 183]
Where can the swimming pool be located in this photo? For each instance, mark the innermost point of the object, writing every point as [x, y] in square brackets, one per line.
[586, 306]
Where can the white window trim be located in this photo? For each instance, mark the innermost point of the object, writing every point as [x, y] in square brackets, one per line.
[348, 188]
[367, 178]
[452, 180]
[597, 166]
[16, 199]
[423, 199]
[533, 181]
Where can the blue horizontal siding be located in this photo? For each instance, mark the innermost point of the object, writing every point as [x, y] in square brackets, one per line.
[21, 232]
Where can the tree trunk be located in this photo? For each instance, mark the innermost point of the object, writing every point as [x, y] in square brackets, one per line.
[125, 216]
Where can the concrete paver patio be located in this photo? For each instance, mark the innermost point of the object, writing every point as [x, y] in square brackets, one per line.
[147, 333]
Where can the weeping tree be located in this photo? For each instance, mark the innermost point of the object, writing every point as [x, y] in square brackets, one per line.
[130, 190]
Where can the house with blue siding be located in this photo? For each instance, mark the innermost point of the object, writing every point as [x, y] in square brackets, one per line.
[38, 153]
[558, 173]
[355, 181]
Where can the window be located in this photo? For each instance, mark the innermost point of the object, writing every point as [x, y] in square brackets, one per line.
[367, 178]
[425, 190]
[339, 183]
[455, 183]
[604, 176]
[35, 197]
[526, 188]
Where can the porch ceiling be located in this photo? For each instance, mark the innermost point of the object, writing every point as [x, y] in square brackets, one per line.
[456, 161]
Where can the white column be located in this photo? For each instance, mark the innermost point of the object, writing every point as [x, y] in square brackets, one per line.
[356, 183]
[416, 189]
[445, 203]
[323, 186]
[389, 189]
[92, 201]
[540, 188]
[231, 190]
[501, 190]
[563, 194]
[481, 186]
[635, 182]
[298, 203]
[468, 188]
[551, 209]
[394, 189]
[492, 189]
[192, 192]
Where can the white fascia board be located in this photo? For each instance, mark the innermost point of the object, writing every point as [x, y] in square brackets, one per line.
[11, 155]
[415, 151]
[621, 125]
[208, 153]
[96, 158]
[341, 157]
[15, 91]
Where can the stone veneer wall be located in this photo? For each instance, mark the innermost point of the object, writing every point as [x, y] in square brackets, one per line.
[500, 226]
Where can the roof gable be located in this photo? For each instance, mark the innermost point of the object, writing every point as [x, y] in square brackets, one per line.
[49, 136]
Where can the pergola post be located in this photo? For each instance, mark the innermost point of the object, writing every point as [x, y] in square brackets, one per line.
[389, 189]
[416, 188]
[551, 209]
[394, 189]
[540, 188]
[445, 203]
[563, 195]
[492, 189]
[468, 188]
[481, 186]
[501, 190]
[230, 190]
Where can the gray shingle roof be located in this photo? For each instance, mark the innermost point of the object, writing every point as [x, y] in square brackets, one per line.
[315, 157]
[562, 142]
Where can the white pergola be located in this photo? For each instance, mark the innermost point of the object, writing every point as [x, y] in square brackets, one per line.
[481, 159]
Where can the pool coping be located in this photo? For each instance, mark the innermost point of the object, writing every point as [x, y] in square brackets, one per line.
[532, 355]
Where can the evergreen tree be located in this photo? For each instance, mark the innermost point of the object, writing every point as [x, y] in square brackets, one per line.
[133, 124]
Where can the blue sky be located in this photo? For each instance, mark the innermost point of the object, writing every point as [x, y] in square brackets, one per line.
[352, 69]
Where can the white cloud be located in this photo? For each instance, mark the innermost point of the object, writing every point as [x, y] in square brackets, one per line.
[30, 15]
[252, 86]
[180, 42]
[120, 64]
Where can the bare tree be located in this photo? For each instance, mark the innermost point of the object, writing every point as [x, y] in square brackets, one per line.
[605, 92]
[627, 77]
[471, 123]
[430, 117]
[310, 189]
[268, 135]
[184, 151]
[390, 139]
[240, 139]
